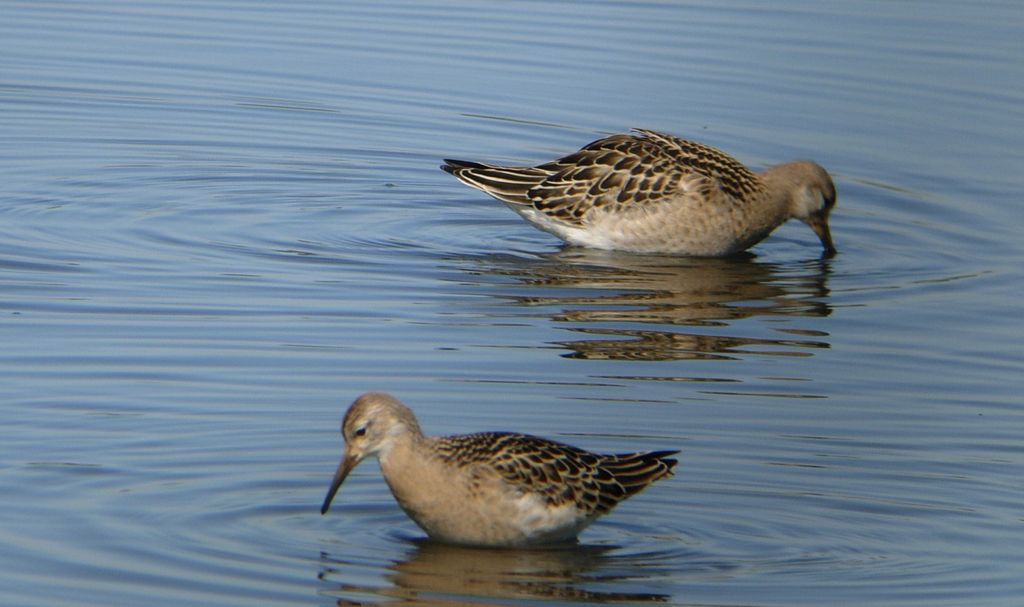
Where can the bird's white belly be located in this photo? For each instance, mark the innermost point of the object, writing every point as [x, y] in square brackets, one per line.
[672, 231]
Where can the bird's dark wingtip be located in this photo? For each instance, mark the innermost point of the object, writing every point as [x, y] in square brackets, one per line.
[663, 457]
[451, 165]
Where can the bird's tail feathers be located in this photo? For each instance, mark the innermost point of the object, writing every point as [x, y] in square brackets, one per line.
[508, 184]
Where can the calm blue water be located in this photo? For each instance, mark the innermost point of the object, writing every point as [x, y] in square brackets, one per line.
[221, 222]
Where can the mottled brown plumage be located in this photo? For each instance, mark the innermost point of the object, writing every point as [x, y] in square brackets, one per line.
[490, 488]
[561, 473]
[653, 193]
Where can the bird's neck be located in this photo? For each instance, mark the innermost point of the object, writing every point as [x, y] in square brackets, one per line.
[409, 467]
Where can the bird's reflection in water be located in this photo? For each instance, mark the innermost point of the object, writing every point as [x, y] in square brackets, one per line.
[616, 300]
[433, 573]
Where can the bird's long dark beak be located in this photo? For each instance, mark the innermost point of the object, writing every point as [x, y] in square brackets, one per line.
[347, 464]
[819, 223]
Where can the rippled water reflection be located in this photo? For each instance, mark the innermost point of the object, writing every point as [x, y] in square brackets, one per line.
[221, 222]
[574, 574]
[603, 294]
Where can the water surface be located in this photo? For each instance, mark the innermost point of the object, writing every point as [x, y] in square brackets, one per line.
[219, 223]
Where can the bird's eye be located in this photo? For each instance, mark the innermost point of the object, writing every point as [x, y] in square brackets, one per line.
[361, 431]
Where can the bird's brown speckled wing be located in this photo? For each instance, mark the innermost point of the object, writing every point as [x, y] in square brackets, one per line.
[624, 171]
[560, 473]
